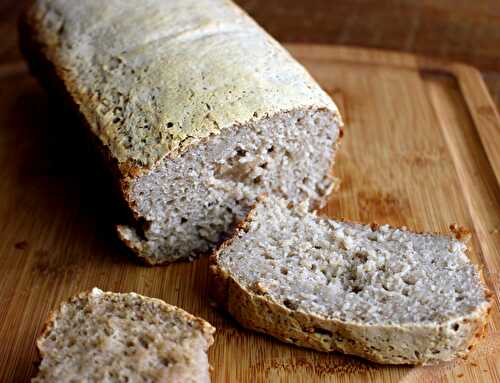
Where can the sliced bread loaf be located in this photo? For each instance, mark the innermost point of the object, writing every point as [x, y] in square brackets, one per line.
[197, 108]
[382, 293]
[111, 337]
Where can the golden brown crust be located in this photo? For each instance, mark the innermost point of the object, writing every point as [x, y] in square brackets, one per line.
[461, 233]
[231, 102]
[46, 328]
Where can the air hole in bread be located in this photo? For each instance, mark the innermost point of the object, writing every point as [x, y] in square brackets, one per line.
[289, 304]
[164, 361]
[144, 342]
[361, 256]
[409, 279]
[357, 289]
[241, 152]
[322, 331]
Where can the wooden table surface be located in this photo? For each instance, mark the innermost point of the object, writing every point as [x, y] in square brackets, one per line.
[460, 30]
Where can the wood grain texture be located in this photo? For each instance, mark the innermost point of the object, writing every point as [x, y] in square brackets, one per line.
[421, 149]
[463, 30]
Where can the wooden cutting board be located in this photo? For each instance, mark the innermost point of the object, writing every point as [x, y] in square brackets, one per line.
[421, 149]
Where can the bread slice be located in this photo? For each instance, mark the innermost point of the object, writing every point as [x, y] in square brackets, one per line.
[385, 294]
[111, 337]
[197, 108]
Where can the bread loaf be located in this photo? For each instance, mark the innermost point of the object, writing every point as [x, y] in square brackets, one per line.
[112, 337]
[197, 108]
[381, 293]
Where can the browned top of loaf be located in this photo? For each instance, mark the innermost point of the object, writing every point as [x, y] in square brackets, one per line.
[153, 77]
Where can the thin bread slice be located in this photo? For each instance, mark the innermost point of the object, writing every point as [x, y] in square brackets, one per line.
[112, 337]
[385, 294]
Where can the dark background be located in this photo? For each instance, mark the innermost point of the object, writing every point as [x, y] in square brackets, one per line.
[461, 30]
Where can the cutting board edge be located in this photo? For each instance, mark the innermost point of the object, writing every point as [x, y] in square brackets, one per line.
[479, 102]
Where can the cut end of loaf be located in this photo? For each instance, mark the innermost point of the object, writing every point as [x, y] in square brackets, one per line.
[382, 293]
[109, 337]
[187, 205]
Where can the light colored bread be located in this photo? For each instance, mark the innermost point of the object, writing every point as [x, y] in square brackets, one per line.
[199, 109]
[112, 337]
[382, 293]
